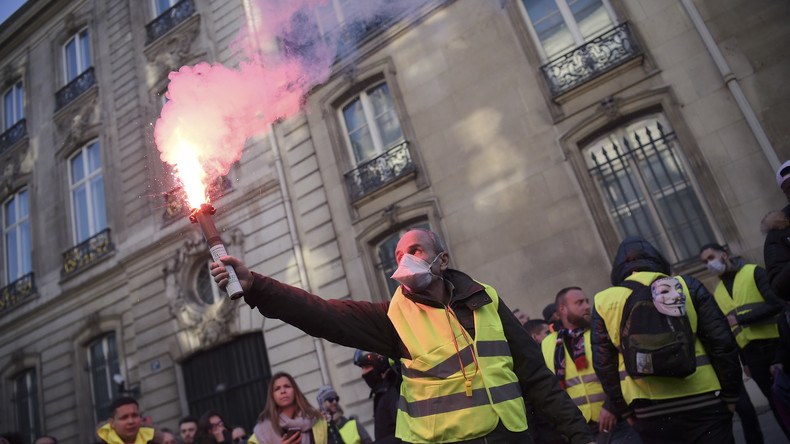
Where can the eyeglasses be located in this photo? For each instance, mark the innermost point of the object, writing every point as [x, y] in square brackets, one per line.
[333, 399]
[217, 425]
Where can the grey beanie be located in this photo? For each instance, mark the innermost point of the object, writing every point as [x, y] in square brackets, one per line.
[325, 392]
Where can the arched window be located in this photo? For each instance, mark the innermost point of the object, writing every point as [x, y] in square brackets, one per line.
[646, 187]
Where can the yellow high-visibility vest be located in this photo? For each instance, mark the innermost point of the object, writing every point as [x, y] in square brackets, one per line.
[610, 304]
[747, 296]
[582, 385]
[350, 433]
[434, 405]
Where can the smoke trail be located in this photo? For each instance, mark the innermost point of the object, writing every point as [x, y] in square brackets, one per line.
[214, 109]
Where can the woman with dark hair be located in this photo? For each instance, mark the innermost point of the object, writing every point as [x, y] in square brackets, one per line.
[211, 429]
[288, 417]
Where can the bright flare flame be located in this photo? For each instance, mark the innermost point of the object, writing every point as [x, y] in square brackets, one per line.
[191, 174]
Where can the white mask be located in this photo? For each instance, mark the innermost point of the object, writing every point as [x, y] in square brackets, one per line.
[413, 273]
[717, 266]
[668, 297]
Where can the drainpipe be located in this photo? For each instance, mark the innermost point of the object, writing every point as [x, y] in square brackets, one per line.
[300, 264]
[732, 83]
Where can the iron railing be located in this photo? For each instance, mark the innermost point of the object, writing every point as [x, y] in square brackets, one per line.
[16, 292]
[86, 253]
[168, 20]
[380, 171]
[600, 55]
[649, 193]
[76, 87]
[13, 135]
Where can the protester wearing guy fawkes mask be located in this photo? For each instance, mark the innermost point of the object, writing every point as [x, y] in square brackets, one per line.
[745, 296]
[460, 348]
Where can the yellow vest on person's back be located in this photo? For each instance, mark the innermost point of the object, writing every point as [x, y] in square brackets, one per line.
[350, 433]
[434, 405]
[610, 304]
[582, 385]
[745, 298]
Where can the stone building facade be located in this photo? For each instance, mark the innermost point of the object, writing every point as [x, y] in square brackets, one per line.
[531, 135]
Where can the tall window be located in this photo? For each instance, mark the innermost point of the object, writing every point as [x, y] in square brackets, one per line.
[386, 252]
[371, 123]
[646, 187]
[13, 106]
[560, 25]
[77, 55]
[16, 231]
[160, 6]
[25, 400]
[103, 365]
[87, 192]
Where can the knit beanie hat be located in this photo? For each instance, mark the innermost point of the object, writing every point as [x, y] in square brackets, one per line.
[325, 392]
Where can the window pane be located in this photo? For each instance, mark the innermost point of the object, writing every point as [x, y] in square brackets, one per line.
[354, 116]
[204, 288]
[381, 100]
[389, 128]
[81, 214]
[10, 213]
[591, 17]
[23, 207]
[97, 206]
[550, 27]
[362, 144]
[94, 157]
[24, 239]
[20, 103]
[77, 169]
[85, 51]
[12, 253]
[71, 60]
[8, 109]
[161, 6]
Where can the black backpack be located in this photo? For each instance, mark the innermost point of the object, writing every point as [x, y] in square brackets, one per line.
[652, 343]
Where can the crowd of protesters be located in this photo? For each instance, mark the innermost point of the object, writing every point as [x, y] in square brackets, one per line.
[654, 358]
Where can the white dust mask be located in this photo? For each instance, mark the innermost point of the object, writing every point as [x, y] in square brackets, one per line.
[414, 273]
[668, 297]
[716, 266]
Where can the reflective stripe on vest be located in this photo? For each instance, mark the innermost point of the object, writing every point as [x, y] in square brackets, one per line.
[350, 433]
[582, 385]
[746, 298]
[609, 305]
[434, 406]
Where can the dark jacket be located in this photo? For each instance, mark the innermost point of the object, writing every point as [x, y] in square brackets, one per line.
[385, 409]
[365, 325]
[713, 330]
[776, 251]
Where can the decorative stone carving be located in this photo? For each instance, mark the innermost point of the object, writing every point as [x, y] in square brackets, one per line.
[211, 324]
[172, 51]
[610, 107]
[76, 122]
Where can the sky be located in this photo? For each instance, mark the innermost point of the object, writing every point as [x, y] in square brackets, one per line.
[7, 7]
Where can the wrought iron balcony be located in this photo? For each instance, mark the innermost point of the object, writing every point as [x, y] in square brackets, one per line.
[176, 200]
[86, 253]
[380, 171]
[168, 20]
[600, 55]
[74, 88]
[13, 135]
[16, 292]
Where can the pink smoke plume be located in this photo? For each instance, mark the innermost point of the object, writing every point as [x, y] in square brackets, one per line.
[212, 109]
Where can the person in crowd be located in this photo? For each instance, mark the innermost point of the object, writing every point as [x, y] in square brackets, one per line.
[211, 429]
[187, 428]
[521, 316]
[384, 385]
[745, 297]
[568, 353]
[776, 254]
[46, 439]
[168, 437]
[288, 417]
[551, 316]
[447, 331]
[666, 408]
[125, 424]
[238, 434]
[339, 428]
[538, 329]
